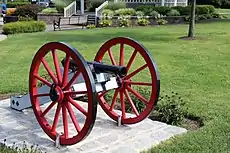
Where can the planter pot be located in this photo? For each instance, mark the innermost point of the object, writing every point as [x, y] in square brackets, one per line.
[8, 19]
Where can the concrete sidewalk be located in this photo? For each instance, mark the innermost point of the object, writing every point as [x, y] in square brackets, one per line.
[106, 136]
[2, 37]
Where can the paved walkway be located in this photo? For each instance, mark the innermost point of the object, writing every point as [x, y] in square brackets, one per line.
[106, 136]
[2, 37]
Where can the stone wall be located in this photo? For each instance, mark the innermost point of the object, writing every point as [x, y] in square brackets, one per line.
[48, 18]
[153, 21]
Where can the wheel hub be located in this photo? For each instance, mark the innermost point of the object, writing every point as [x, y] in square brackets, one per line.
[56, 93]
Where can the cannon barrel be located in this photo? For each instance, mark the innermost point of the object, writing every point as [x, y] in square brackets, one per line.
[101, 68]
[104, 68]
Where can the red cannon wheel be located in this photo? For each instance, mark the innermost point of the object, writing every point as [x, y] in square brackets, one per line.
[127, 52]
[69, 113]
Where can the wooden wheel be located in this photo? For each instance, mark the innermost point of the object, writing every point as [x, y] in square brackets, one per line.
[80, 117]
[127, 52]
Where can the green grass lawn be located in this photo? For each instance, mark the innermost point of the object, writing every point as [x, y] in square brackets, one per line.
[198, 70]
[218, 10]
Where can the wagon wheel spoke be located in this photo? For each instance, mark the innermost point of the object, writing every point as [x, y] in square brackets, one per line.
[75, 104]
[121, 54]
[111, 57]
[56, 117]
[57, 66]
[66, 69]
[131, 103]
[71, 113]
[48, 109]
[139, 96]
[122, 104]
[136, 71]
[131, 60]
[138, 83]
[43, 80]
[72, 80]
[42, 95]
[102, 93]
[48, 69]
[65, 121]
[75, 92]
[114, 100]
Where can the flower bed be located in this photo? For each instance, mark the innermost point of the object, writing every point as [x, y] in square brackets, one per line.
[137, 21]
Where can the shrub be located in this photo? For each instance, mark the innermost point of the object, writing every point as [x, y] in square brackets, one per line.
[162, 21]
[202, 9]
[91, 26]
[29, 10]
[143, 22]
[211, 8]
[139, 14]
[15, 149]
[10, 11]
[208, 16]
[49, 10]
[20, 18]
[94, 4]
[162, 9]
[154, 14]
[169, 109]
[182, 10]
[125, 11]
[107, 12]
[115, 6]
[105, 23]
[60, 5]
[124, 21]
[216, 15]
[23, 27]
[173, 12]
[201, 17]
[15, 4]
[146, 9]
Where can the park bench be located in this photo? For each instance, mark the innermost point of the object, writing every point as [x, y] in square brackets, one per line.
[57, 23]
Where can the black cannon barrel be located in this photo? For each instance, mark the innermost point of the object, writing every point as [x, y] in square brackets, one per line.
[101, 68]
[104, 68]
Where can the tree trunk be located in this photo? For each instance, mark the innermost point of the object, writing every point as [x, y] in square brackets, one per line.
[192, 19]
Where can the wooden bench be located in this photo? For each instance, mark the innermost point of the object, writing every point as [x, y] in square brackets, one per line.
[57, 23]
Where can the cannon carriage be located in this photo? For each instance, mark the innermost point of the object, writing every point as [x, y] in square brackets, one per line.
[69, 77]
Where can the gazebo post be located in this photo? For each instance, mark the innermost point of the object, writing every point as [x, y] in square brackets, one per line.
[82, 7]
[175, 2]
[162, 2]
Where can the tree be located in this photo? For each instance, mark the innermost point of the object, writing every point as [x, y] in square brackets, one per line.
[192, 19]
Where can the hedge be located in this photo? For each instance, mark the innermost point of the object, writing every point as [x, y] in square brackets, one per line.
[15, 4]
[164, 10]
[23, 27]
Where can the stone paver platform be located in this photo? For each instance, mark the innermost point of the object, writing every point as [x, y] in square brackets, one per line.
[106, 136]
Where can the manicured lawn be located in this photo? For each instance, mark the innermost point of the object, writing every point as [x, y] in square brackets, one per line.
[198, 70]
[223, 10]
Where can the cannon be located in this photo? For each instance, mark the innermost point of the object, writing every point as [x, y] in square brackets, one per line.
[61, 81]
